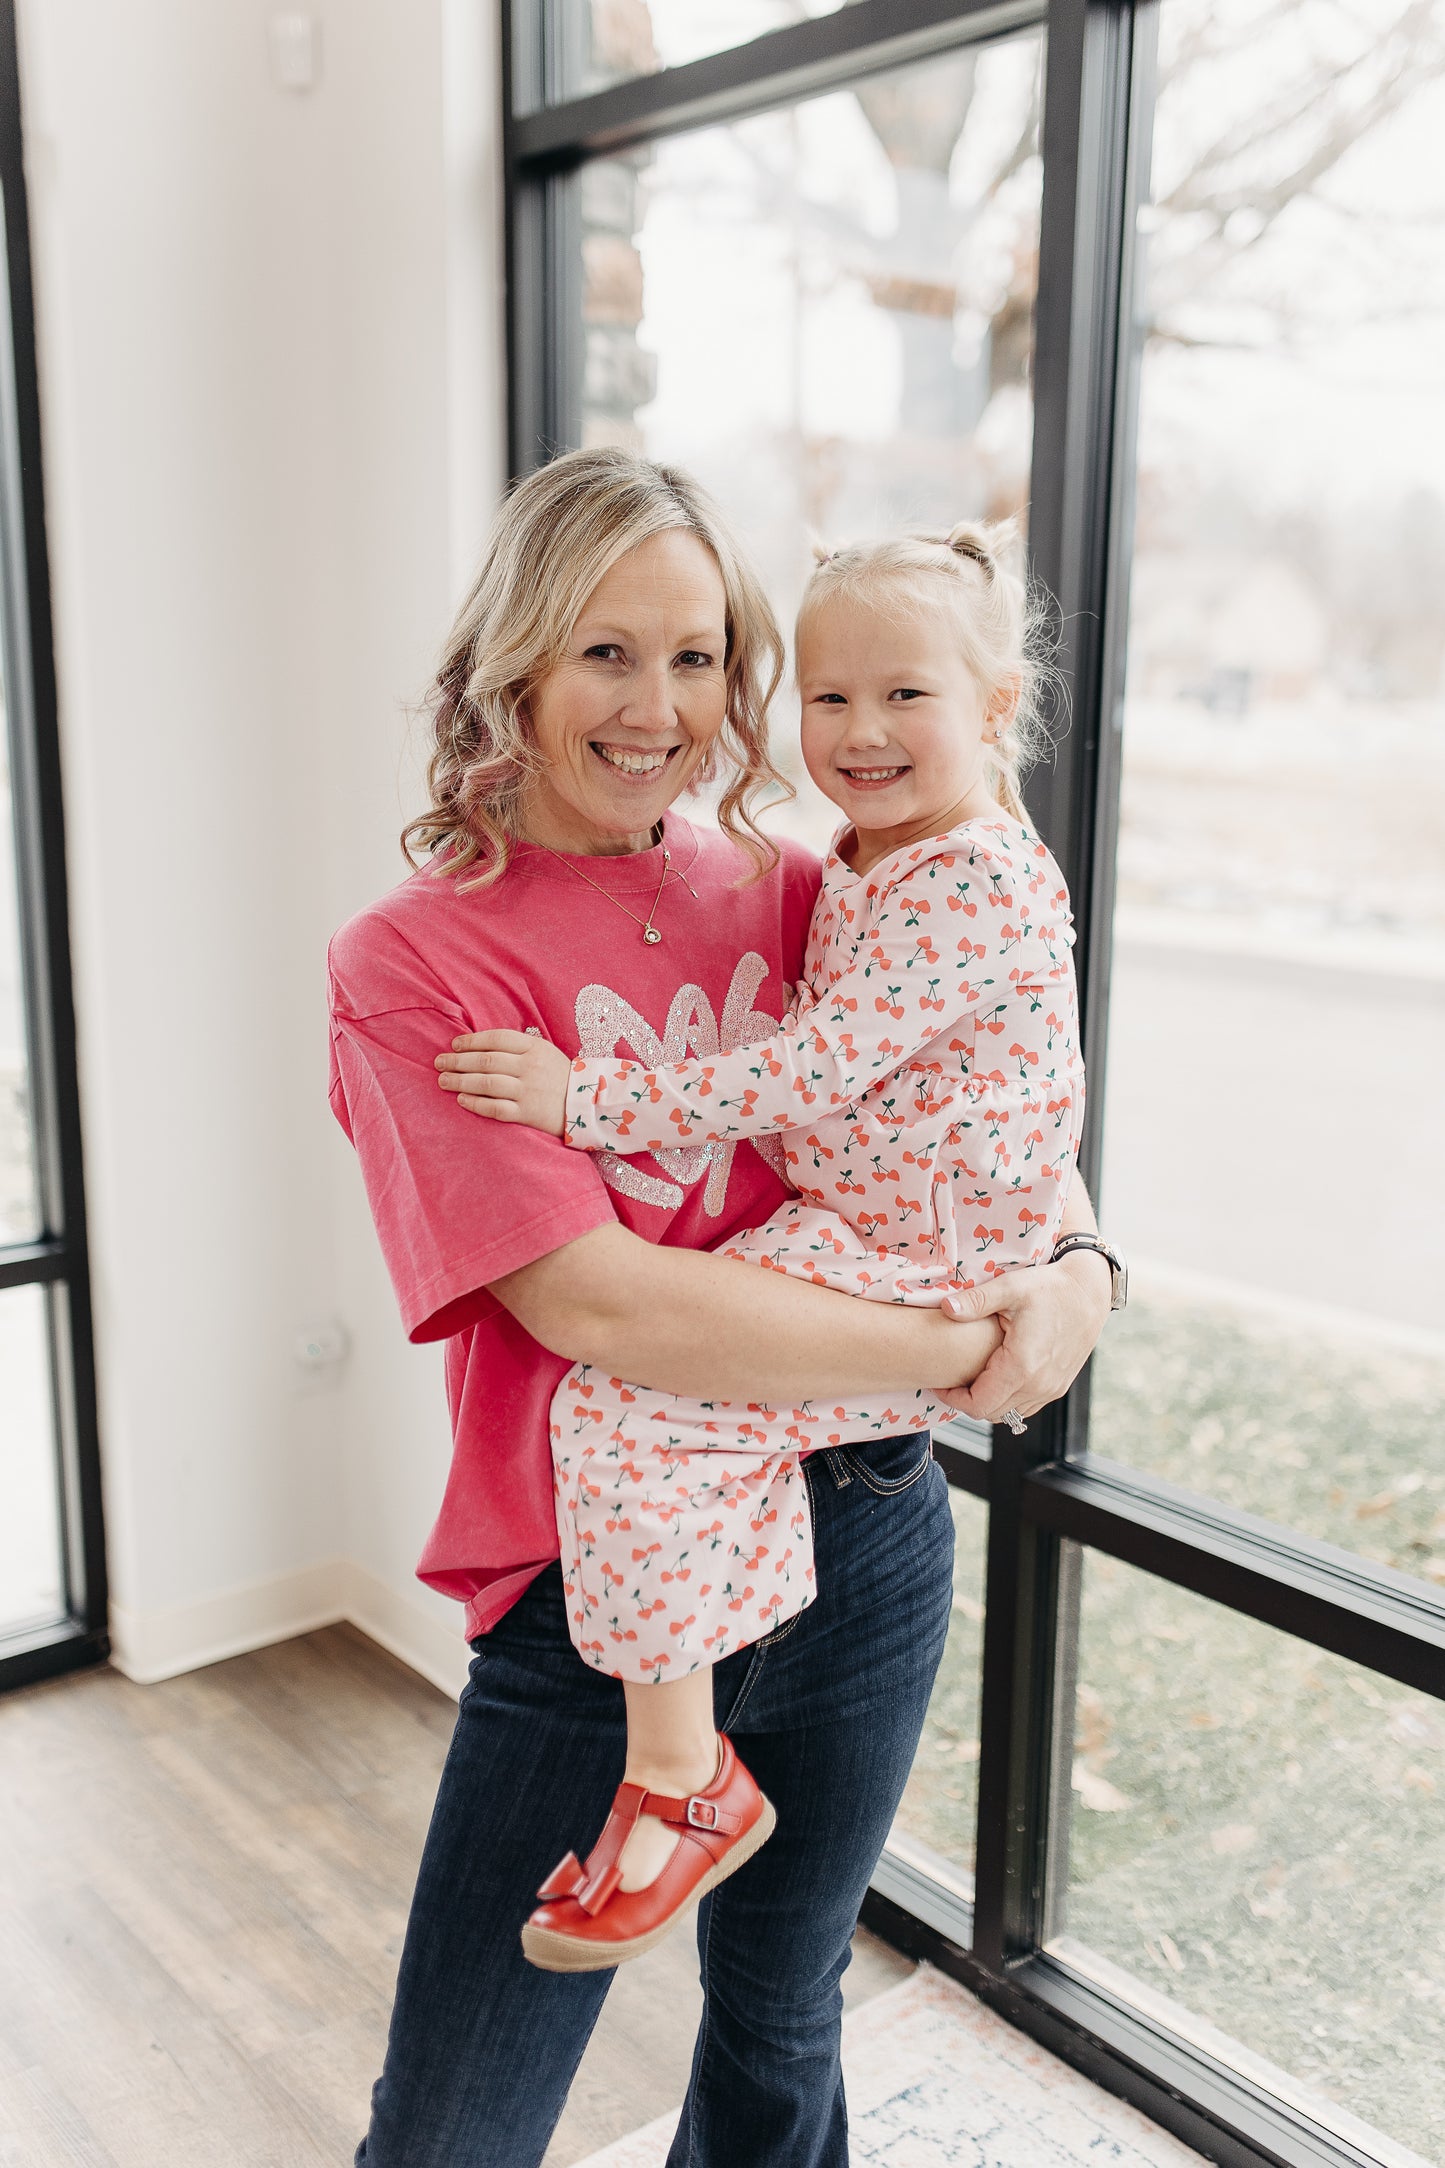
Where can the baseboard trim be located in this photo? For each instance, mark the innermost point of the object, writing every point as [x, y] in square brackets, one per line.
[152, 1645]
[431, 1645]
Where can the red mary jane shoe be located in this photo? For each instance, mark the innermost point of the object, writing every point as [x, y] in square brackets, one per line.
[587, 1922]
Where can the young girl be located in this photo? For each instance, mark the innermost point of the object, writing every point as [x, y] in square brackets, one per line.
[927, 1089]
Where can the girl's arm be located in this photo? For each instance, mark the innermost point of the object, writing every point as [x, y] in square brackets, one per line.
[950, 941]
[685, 1321]
[925, 964]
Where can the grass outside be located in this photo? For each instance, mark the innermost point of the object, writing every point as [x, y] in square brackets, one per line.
[1346, 1445]
[1258, 1828]
[940, 1805]
[1259, 1832]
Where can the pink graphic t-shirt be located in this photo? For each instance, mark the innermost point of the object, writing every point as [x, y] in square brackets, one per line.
[459, 1202]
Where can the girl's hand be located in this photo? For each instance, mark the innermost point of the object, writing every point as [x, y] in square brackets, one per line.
[1051, 1317]
[509, 1076]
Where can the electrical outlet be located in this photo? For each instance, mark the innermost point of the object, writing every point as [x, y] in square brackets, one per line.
[320, 1350]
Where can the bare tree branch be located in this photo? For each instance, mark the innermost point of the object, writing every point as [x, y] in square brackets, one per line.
[1416, 58]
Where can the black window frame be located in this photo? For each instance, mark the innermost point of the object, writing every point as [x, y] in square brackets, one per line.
[1049, 1497]
[58, 1260]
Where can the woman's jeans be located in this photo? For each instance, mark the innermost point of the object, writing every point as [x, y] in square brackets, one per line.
[826, 1713]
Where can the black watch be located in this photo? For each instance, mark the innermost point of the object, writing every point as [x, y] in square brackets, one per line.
[1118, 1270]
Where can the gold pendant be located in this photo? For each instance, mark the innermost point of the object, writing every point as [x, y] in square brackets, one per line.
[650, 934]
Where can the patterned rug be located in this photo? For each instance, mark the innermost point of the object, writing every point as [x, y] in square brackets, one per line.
[935, 2080]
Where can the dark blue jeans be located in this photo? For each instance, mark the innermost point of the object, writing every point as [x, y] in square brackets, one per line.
[827, 1714]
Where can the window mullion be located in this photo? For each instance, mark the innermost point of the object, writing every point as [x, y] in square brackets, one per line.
[776, 68]
[1365, 1613]
[1031, 1598]
[61, 1258]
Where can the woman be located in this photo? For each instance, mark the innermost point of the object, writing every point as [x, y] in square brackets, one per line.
[614, 652]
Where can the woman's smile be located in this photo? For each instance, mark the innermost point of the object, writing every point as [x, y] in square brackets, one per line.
[632, 760]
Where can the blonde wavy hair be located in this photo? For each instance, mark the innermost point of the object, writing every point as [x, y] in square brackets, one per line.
[558, 533]
[1005, 626]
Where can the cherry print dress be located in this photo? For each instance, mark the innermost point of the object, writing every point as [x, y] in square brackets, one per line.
[928, 1090]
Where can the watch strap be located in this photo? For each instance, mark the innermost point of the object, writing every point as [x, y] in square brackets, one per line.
[1118, 1270]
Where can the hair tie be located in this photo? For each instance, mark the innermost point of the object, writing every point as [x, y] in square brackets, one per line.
[964, 542]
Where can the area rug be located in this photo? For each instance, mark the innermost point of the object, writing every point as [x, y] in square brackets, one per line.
[935, 2080]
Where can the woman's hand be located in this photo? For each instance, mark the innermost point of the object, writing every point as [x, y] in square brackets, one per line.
[509, 1076]
[1051, 1317]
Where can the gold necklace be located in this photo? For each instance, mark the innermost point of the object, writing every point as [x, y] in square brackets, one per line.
[650, 933]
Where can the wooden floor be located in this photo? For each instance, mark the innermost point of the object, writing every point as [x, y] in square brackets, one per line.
[203, 1886]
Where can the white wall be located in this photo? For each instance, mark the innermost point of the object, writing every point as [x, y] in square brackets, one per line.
[271, 384]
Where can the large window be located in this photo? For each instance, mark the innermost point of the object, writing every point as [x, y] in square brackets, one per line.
[1258, 1853]
[1167, 283]
[1279, 931]
[52, 1574]
[1258, 1835]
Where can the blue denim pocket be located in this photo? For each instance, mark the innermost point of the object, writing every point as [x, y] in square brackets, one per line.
[890, 1465]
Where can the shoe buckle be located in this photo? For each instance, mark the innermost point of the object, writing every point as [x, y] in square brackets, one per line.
[701, 1814]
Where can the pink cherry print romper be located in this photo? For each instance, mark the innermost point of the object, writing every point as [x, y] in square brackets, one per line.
[928, 1088]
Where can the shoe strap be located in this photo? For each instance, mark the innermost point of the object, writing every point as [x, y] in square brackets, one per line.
[591, 1885]
[702, 1810]
[699, 1812]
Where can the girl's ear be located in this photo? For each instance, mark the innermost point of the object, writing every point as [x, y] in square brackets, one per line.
[1003, 705]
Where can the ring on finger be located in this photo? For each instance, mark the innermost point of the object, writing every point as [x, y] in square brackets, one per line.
[1015, 1421]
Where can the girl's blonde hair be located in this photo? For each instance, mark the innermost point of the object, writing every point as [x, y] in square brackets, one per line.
[558, 533]
[1004, 626]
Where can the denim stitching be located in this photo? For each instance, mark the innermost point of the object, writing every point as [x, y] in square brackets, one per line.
[781, 1633]
[884, 1489]
[754, 1673]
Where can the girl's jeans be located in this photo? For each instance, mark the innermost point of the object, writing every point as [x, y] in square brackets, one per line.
[827, 1714]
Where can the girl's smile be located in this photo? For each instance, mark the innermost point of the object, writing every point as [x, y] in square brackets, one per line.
[873, 778]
